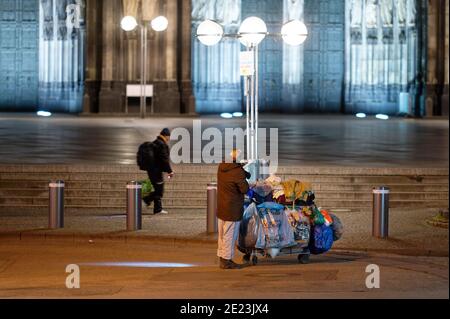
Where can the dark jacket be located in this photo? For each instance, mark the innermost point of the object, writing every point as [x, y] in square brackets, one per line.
[162, 160]
[231, 188]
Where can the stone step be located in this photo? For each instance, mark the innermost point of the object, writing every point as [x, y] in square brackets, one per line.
[376, 180]
[106, 169]
[205, 178]
[201, 186]
[95, 211]
[90, 193]
[326, 204]
[393, 196]
[96, 201]
[212, 169]
[201, 194]
[354, 204]
[102, 188]
[101, 177]
[190, 185]
[393, 187]
[32, 196]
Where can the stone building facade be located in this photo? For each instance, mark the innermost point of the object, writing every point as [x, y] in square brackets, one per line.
[71, 56]
[437, 66]
[113, 55]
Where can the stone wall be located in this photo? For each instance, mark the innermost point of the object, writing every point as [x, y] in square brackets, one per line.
[360, 56]
[384, 56]
[113, 59]
[61, 55]
[19, 46]
[437, 73]
[42, 55]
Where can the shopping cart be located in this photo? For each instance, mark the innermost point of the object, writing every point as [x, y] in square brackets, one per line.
[297, 245]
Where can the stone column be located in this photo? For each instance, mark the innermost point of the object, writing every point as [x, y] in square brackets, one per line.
[184, 58]
[150, 9]
[114, 55]
[437, 55]
[419, 87]
[111, 99]
[130, 8]
[167, 94]
[432, 51]
[444, 25]
[94, 17]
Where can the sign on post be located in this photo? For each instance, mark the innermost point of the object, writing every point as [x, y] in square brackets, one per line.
[247, 65]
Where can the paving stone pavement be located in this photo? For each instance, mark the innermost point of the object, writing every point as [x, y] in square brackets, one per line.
[409, 232]
[33, 269]
[303, 139]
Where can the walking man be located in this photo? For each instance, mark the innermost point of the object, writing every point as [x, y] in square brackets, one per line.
[161, 165]
[231, 187]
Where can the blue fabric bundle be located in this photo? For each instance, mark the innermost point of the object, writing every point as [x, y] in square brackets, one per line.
[321, 239]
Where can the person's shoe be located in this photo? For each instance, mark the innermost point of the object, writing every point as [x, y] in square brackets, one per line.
[229, 264]
[163, 212]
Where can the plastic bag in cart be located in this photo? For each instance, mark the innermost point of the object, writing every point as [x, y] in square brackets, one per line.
[276, 229]
[300, 224]
[321, 239]
[337, 226]
[249, 230]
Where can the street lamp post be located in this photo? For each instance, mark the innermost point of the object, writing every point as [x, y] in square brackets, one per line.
[252, 32]
[158, 24]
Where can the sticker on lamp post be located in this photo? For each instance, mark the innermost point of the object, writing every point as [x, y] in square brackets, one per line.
[247, 65]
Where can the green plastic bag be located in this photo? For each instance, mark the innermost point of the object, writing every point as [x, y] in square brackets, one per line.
[317, 217]
[147, 188]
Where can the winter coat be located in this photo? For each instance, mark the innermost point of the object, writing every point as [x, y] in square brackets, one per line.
[162, 160]
[231, 187]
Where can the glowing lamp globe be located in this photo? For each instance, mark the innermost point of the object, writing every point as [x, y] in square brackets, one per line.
[294, 33]
[209, 32]
[128, 23]
[252, 31]
[160, 24]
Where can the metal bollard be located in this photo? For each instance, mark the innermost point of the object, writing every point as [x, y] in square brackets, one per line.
[211, 217]
[380, 223]
[134, 206]
[56, 205]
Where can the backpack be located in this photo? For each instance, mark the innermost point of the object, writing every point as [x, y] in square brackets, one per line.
[146, 156]
[321, 239]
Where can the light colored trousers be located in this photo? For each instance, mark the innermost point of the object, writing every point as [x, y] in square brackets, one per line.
[228, 235]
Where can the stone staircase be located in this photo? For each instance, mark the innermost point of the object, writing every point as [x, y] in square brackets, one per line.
[101, 189]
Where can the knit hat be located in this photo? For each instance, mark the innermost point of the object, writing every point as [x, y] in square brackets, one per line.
[165, 132]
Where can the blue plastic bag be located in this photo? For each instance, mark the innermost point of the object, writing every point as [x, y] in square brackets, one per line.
[249, 231]
[272, 206]
[321, 239]
[259, 199]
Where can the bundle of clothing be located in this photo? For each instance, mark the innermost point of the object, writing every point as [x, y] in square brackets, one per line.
[326, 228]
[290, 193]
[283, 214]
[266, 227]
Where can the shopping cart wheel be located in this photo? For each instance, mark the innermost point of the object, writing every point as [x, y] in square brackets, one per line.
[246, 258]
[254, 260]
[303, 259]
